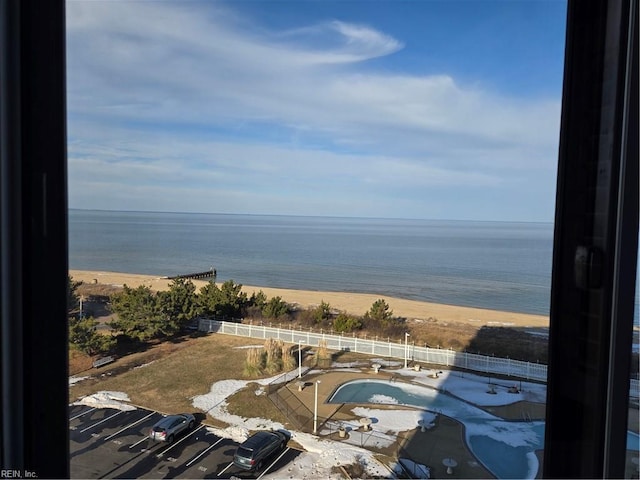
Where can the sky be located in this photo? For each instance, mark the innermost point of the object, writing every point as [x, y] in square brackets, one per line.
[354, 108]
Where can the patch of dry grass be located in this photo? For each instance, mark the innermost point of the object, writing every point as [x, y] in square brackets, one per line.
[253, 363]
[78, 361]
[289, 362]
[251, 402]
[512, 342]
[323, 352]
[169, 383]
[273, 349]
[99, 290]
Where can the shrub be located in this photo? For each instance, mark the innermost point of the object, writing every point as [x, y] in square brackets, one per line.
[273, 349]
[254, 363]
[258, 299]
[275, 307]
[323, 351]
[288, 360]
[380, 311]
[84, 335]
[346, 323]
[322, 312]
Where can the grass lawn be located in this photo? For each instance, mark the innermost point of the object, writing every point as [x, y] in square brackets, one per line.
[166, 377]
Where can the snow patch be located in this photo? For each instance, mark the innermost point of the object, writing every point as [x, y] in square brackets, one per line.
[379, 398]
[395, 421]
[106, 399]
[74, 380]
[322, 455]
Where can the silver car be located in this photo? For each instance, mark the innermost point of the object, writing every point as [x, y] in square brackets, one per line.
[170, 426]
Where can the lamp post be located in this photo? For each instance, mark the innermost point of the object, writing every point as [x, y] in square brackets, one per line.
[406, 348]
[299, 358]
[315, 410]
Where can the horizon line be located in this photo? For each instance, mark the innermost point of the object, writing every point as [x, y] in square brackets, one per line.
[311, 216]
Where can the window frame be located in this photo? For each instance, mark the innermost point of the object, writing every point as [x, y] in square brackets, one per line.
[595, 245]
[602, 39]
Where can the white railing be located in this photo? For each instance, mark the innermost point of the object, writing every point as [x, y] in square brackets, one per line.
[388, 349]
[434, 356]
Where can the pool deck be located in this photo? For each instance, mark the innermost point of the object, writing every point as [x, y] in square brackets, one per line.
[430, 448]
[445, 440]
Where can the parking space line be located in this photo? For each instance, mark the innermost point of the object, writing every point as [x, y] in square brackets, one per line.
[146, 437]
[205, 451]
[101, 421]
[179, 441]
[83, 413]
[225, 469]
[273, 463]
[129, 426]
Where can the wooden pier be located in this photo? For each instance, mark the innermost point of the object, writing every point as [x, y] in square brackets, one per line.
[196, 276]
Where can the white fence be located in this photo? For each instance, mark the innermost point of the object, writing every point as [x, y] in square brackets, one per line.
[398, 350]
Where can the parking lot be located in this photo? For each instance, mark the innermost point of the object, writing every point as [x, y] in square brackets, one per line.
[110, 443]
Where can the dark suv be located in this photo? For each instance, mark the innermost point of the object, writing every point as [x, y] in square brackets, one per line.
[251, 454]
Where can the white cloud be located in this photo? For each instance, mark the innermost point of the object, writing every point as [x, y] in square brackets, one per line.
[189, 93]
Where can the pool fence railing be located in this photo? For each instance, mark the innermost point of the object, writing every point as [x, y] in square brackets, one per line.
[398, 350]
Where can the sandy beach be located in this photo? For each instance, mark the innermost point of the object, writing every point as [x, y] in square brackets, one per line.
[354, 303]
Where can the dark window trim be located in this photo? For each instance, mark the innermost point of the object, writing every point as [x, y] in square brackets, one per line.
[33, 236]
[595, 245]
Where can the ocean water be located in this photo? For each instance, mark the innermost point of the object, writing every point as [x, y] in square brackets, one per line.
[495, 265]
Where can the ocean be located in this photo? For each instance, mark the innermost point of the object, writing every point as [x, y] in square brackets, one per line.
[494, 265]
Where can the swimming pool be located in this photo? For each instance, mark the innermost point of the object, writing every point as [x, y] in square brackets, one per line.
[506, 448]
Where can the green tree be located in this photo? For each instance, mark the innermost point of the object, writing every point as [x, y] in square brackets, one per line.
[139, 315]
[258, 299]
[227, 300]
[322, 312]
[84, 335]
[346, 323]
[275, 307]
[233, 299]
[380, 311]
[83, 332]
[178, 303]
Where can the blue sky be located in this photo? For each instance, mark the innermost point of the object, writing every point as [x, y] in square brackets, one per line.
[408, 109]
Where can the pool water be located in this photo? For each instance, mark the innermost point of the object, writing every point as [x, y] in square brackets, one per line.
[506, 448]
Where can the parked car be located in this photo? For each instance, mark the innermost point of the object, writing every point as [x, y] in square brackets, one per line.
[166, 429]
[250, 454]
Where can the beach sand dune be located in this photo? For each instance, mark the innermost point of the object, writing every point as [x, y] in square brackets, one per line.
[353, 303]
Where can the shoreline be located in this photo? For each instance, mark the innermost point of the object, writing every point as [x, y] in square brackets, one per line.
[353, 303]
